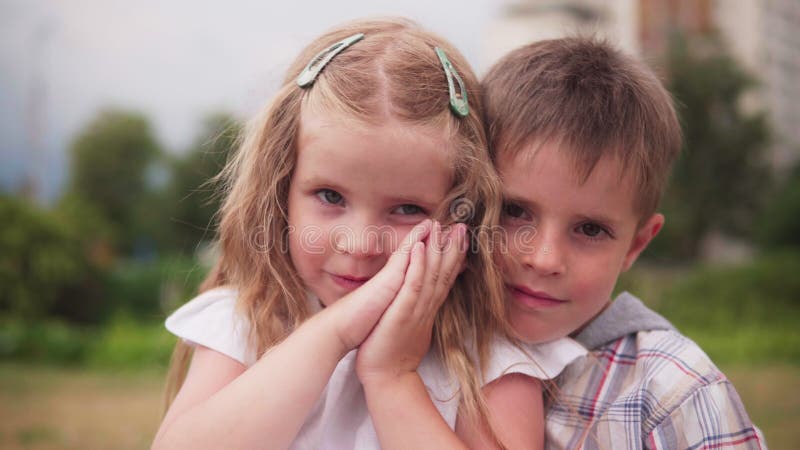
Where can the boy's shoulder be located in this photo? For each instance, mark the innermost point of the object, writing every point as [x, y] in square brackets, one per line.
[628, 333]
[641, 353]
[644, 378]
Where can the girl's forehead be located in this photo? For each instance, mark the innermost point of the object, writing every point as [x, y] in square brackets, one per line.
[390, 158]
[320, 126]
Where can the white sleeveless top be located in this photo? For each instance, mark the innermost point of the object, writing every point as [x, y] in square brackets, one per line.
[340, 419]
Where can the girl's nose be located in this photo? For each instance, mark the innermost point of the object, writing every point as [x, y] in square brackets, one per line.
[361, 239]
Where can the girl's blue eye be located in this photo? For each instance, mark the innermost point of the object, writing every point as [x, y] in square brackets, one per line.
[409, 210]
[329, 196]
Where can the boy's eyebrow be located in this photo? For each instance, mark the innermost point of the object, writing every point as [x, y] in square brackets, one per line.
[532, 205]
[520, 200]
[599, 218]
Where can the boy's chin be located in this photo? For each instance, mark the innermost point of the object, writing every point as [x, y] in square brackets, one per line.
[538, 330]
[536, 334]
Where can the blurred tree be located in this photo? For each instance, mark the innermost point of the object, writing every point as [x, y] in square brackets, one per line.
[192, 196]
[40, 260]
[779, 225]
[110, 159]
[90, 227]
[721, 177]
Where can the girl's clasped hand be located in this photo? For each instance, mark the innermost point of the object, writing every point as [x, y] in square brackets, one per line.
[402, 336]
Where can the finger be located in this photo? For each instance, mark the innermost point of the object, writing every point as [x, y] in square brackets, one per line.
[433, 258]
[396, 266]
[418, 233]
[452, 258]
[406, 299]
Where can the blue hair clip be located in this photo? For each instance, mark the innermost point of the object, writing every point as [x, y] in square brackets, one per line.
[458, 102]
[318, 62]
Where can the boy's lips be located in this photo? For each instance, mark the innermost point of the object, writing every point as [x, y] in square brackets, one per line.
[530, 298]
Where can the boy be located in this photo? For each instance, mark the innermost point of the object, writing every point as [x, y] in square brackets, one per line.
[584, 137]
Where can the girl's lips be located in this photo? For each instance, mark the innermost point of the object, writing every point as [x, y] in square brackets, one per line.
[534, 299]
[349, 282]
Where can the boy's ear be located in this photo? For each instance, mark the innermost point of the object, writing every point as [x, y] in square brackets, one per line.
[642, 238]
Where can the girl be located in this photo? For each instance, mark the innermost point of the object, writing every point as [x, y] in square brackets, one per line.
[326, 247]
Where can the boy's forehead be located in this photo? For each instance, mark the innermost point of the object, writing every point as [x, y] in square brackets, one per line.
[545, 172]
[578, 164]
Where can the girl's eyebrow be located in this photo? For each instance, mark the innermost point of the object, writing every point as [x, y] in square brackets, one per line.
[410, 199]
[421, 198]
[317, 179]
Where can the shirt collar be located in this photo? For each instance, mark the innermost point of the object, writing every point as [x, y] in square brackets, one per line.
[625, 315]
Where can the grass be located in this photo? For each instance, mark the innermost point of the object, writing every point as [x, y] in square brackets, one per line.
[772, 400]
[44, 407]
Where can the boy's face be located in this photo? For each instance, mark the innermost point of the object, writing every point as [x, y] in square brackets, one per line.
[568, 241]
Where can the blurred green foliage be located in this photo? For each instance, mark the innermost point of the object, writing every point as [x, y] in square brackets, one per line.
[721, 178]
[49, 341]
[738, 314]
[779, 226]
[41, 259]
[126, 343]
[120, 343]
[147, 291]
[125, 331]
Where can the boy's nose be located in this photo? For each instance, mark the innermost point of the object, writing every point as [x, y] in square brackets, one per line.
[544, 253]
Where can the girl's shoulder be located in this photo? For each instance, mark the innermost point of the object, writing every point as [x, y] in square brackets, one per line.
[544, 361]
[212, 320]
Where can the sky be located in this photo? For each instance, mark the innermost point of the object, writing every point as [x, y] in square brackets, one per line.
[176, 61]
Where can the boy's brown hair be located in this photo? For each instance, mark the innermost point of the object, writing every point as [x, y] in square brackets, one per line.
[594, 101]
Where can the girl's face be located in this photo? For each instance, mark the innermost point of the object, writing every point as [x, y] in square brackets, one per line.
[356, 191]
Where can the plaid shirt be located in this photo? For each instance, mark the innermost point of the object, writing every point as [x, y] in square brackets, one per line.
[652, 389]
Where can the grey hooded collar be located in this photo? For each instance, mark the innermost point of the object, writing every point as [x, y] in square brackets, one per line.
[625, 315]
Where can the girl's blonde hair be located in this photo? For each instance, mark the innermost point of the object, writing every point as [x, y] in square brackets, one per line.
[393, 73]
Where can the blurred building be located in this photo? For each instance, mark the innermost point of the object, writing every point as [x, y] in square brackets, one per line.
[763, 35]
[523, 21]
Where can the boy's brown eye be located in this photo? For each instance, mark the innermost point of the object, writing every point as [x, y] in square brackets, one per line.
[591, 229]
[513, 210]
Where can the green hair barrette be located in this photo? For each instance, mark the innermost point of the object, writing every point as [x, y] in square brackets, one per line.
[458, 102]
[318, 62]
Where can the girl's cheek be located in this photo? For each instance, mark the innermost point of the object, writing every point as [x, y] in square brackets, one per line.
[309, 239]
[394, 236]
